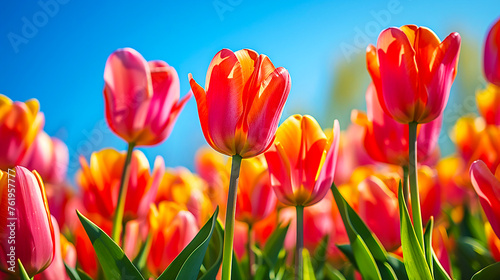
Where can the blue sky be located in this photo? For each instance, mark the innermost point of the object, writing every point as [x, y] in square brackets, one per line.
[55, 51]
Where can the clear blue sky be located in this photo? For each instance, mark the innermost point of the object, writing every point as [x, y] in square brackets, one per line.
[56, 53]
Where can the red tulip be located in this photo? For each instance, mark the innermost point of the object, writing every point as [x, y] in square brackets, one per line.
[27, 233]
[413, 72]
[378, 207]
[242, 102]
[49, 157]
[487, 187]
[19, 125]
[142, 98]
[386, 140]
[492, 54]
[100, 182]
[302, 161]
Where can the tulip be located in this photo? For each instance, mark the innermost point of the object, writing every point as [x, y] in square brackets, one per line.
[242, 102]
[430, 192]
[181, 186]
[56, 270]
[172, 229]
[19, 125]
[302, 166]
[101, 178]
[452, 181]
[491, 60]
[378, 207]
[256, 199]
[141, 98]
[441, 247]
[493, 242]
[302, 161]
[387, 140]
[487, 187]
[488, 102]
[23, 199]
[49, 157]
[239, 111]
[413, 72]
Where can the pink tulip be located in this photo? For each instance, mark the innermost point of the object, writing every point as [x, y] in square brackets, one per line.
[492, 54]
[56, 270]
[26, 220]
[19, 125]
[487, 187]
[413, 72]
[49, 157]
[142, 98]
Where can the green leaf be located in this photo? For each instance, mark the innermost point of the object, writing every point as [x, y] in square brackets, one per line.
[73, 275]
[386, 271]
[398, 266]
[362, 255]
[186, 265]
[352, 220]
[332, 273]
[113, 260]
[414, 259]
[213, 256]
[319, 259]
[490, 272]
[439, 271]
[308, 268]
[142, 257]
[270, 252]
[22, 271]
[428, 244]
[235, 269]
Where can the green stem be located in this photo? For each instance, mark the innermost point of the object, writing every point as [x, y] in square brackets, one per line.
[299, 263]
[120, 206]
[251, 256]
[406, 188]
[412, 168]
[227, 256]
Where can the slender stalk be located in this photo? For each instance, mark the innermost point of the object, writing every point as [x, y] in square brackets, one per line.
[227, 255]
[299, 263]
[415, 198]
[120, 206]
[251, 256]
[406, 188]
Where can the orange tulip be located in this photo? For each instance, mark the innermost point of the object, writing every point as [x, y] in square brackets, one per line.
[27, 233]
[185, 188]
[141, 98]
[242, 102]
[101, 179]
[49, 157]
[487, 187]
[413, 72]
[386, 140]
[302, 161]
[19, 125]
[172, 228]
[255, 199]
[488, 103]
[211, 166]
[492, 54]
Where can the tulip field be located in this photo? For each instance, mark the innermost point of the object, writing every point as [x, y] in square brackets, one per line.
[270, 195]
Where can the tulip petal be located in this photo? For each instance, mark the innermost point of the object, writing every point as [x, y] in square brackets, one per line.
[265, 112]
[487, 188]
[491, 61]
[398, 71]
